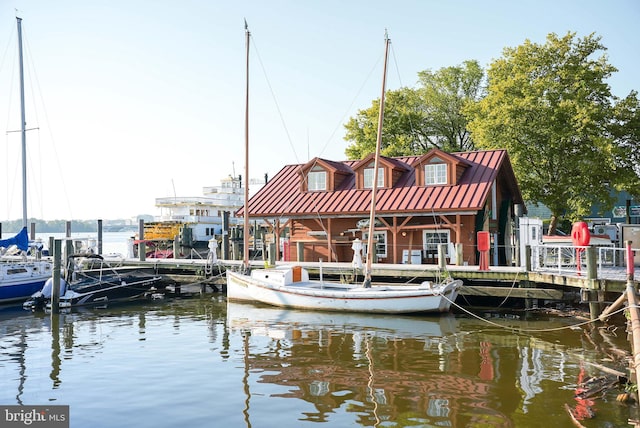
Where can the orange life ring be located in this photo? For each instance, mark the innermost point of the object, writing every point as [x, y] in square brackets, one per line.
[580, 234]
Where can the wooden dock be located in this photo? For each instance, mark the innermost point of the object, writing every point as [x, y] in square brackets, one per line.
[497, 281]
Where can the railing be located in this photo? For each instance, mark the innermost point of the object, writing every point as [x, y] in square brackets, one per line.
[572, 261]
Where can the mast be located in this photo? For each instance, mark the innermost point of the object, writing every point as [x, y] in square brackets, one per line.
[372, 212]
[245, 232]
[23, 128]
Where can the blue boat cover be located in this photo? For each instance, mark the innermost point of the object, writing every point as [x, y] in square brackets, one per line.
[21, 240]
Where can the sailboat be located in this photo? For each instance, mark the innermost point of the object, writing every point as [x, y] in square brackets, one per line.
[290, 286]
[20, 276]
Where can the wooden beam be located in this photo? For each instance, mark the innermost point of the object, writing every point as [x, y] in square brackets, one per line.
[520, 293]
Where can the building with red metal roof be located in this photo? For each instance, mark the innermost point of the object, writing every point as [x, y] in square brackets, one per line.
[320, 207]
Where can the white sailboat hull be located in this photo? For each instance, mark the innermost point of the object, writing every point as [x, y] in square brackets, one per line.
[284, 288]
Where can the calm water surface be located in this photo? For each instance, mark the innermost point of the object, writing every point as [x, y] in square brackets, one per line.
[209, 363]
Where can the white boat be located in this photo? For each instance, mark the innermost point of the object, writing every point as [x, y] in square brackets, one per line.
[291, 287]
[278, 323]
[194, 220]
[100, 285]
[21, 275]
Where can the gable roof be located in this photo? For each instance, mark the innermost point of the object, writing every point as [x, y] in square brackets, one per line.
[282, 196]
[393, 163]
[437, 153]
[338, 167]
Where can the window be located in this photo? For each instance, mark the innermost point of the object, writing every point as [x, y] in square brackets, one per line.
[433, 238]
[317, 180]
[368, 178]
[380, 242]
[435, 173]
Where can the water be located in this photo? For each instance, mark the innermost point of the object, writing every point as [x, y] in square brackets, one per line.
[203, 362]
[112, 242]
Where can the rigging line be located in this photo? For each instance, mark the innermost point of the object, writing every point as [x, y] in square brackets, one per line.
[10, 98]
[48, 124]
[370, 385]
[541, 330]
[305, 182]
[393, 54]
[36, 178]
[395, 61]
[275, 100]
[353, 101]
[513, 285]
[368, 77]
[10, 42]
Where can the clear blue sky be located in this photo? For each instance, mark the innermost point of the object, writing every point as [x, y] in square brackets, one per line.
[134, 98]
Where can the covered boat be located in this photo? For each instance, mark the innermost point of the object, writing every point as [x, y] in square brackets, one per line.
[96, 286]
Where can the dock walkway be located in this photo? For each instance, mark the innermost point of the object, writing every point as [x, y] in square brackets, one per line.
[545, 282]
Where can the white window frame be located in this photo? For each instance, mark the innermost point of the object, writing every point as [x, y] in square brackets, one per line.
[429, 243]
[379, 241]
[435, 173]
[317, 180]
[368, 177]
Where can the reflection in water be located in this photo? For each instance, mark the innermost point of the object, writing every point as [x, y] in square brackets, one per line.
[201, 362]
[380, 368]
[439, 371]
[245, 380]
[55, 350]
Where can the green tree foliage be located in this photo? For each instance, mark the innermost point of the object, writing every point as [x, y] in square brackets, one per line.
[417, 120]
[444, 93]
[625, 130]
[550, 107]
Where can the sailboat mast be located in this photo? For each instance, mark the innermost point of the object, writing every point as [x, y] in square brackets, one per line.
[372, 212]
[23, 128]
[245, 232]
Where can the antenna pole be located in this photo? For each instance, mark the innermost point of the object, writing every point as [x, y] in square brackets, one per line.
[372, 214]
[245, 232]
[23, 128]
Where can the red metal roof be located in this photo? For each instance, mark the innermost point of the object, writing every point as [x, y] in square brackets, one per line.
[282, 195]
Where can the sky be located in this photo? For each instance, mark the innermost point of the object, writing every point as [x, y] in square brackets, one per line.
[133, 100]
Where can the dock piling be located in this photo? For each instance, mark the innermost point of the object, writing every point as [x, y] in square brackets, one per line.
[142, 248]
[634, 312]
[55, 291]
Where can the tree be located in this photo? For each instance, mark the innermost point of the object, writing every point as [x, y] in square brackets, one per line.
[402, 113]
[445, 93]
[625, 129]
[550, 107]
[417, 120]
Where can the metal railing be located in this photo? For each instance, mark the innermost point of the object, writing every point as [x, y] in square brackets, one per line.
[572, 260]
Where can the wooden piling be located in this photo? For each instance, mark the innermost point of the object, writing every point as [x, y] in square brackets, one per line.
[66, 258]
[300, 251]
[459, 254]
[272, 254]
[55, 290]
[176, 246]
[442, 256]
[142, 248]
[620, 301]
[634, 312]
[99, 236]
[225, 235]
[595, 298]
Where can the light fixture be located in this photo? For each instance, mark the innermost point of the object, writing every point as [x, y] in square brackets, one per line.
[404, 233]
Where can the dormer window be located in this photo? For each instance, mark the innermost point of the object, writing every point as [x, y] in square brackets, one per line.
[435, 173]
[317, 179]
[368, 178]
